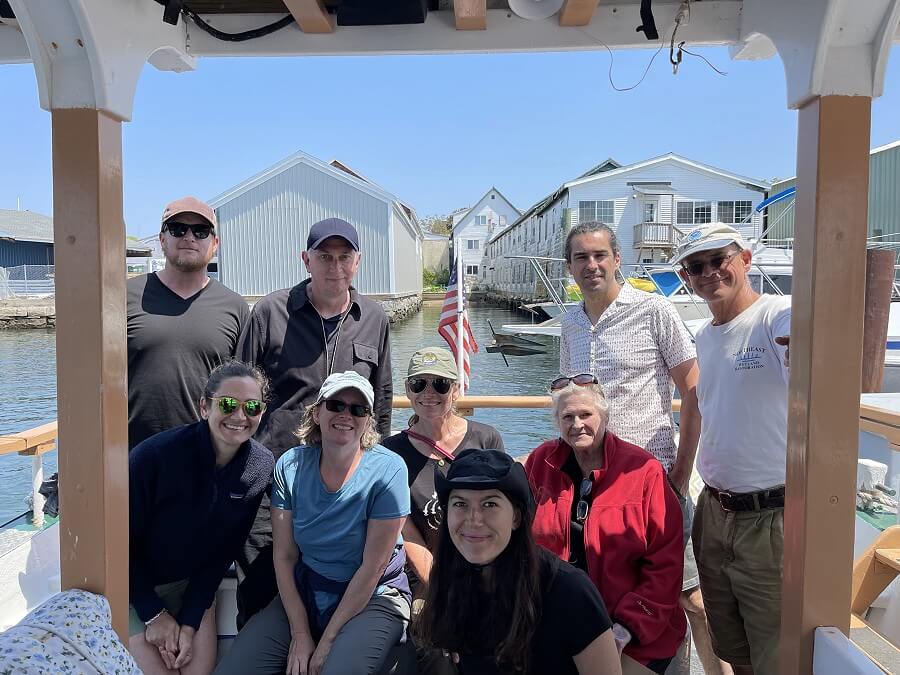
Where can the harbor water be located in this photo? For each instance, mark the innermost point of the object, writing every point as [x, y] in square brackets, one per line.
[28, 388]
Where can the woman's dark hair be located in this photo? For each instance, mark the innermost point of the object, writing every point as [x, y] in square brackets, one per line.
[231, 369]
[460, 617]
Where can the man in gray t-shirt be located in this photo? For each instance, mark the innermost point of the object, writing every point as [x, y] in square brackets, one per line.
[181, 324]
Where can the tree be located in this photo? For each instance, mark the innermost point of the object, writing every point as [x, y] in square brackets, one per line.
[437, 224]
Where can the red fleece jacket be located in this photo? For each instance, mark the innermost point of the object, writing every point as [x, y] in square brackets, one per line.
[634, 543]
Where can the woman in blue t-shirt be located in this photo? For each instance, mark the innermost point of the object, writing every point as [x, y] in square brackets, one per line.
[339, 501]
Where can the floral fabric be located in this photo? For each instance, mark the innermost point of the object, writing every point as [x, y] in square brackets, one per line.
[71, 633]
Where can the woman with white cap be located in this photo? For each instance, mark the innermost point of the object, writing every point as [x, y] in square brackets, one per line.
[496, 599]
[339, 501]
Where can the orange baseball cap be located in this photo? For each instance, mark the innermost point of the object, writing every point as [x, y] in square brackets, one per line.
[190, 205]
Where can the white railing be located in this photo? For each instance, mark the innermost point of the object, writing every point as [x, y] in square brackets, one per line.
[654, 234]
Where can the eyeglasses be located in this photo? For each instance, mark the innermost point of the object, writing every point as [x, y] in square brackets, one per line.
[178, 230]
[716, 263]
[583, 506]
[228, 404]
[440, 384]
[582, 380]
[356, 409]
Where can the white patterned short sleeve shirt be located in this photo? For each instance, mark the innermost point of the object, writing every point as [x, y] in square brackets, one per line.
[631, 349]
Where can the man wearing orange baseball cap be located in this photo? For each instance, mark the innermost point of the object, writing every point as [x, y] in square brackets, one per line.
[181, 324]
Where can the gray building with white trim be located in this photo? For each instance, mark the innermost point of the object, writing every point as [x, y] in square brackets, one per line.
[264, 222]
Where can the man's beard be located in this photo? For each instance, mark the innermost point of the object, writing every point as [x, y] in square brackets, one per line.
[185, 264]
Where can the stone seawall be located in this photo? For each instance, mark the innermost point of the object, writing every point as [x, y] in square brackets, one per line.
[27, 313]
[401, 308]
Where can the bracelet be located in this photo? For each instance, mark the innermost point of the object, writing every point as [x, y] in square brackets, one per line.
[161, 612]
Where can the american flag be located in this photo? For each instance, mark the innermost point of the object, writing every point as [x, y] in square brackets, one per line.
[447, 326]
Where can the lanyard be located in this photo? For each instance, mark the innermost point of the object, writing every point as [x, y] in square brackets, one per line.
[419, 437]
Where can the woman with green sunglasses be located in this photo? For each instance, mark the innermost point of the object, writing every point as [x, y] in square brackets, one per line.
[194, 492]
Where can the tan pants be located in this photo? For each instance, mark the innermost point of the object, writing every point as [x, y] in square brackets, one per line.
[739, 557]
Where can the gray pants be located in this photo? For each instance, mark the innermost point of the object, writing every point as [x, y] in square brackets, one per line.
[367, 644]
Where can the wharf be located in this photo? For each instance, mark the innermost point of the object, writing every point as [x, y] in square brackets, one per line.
[16, 313]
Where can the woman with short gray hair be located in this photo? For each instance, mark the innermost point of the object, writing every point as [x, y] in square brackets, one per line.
[605, 506]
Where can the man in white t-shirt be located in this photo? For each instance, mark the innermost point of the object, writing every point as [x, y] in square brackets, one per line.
[636, 345]
[739, 524]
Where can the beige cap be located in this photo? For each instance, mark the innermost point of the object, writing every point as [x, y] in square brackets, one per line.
[435, 361]
[349, 379]
[706, 238]
[190, 205]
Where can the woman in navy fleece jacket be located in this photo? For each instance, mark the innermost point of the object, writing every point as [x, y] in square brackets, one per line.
[194, 492]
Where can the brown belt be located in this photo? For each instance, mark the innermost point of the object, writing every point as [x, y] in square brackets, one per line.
[773, 498]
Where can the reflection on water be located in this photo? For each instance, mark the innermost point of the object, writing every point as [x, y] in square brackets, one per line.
[28, 388]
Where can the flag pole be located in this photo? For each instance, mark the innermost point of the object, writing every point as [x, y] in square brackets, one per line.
[460, 308]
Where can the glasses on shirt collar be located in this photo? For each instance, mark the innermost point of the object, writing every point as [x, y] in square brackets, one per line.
[583, 506]
[582, 380]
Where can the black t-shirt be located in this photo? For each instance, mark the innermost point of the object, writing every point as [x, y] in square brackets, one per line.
[426, 514]
[173, 345]
[572, 617]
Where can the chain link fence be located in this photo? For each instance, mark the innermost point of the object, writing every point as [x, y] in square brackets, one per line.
[27, 280]
[4, 284]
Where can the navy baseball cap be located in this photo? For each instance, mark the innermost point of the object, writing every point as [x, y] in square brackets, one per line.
[332, 227]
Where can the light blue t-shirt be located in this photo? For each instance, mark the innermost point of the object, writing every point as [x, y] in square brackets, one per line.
[330, 527]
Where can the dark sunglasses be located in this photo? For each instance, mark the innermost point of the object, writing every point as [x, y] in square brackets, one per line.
[440, 384]
[582, 380]
[356, 409]
[583, 506]
[228, 404]
[716, 263]
[178, 230]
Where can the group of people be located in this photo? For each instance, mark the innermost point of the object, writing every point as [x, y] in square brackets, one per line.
[263, 439]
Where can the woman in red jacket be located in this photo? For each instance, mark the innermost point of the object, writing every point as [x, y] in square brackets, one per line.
[605, 506]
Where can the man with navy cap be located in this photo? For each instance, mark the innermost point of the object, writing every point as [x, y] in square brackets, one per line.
[298, 337]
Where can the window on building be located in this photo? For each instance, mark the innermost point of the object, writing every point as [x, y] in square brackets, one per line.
[472, 244]
[702, 212]
[603, 211]
[650, 212]
[502, 221]
[472, 269]
[734, 211]
[684, 213]
[481, 220]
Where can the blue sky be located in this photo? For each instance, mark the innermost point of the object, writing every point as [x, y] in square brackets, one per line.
[437, 131]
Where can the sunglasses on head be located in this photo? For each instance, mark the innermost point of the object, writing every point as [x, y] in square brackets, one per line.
[338, 406]
[228, 404]
[582, 380]
[440, 384]
[178, 230]
[715, 263]
[583, 506]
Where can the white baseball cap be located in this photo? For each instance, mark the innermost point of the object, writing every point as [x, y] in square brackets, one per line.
[706, 238]
[349, 379]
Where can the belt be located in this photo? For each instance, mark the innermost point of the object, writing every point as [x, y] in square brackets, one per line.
[773, 498]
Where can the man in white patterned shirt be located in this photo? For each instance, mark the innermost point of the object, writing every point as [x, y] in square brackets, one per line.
[638, 348]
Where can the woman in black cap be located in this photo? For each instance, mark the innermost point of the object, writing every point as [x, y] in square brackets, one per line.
[496, 599]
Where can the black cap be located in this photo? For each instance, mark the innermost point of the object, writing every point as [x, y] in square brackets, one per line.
[332, 227]
[475, 469]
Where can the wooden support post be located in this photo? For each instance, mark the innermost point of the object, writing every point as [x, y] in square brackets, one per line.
[311, 15]
[826, 356]
[577, 12]
[470, 14]
[89, 236]
[879, 285]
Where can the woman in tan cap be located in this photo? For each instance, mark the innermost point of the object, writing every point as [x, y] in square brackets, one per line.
[435, 435]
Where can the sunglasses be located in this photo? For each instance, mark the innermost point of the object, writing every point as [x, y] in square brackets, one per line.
[440, 384]
[582, 380]
[583, 506]
[228, 404]
[356, 409]
[716, 263]
[178, 230]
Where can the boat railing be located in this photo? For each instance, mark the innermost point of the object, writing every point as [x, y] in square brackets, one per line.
[34, 443]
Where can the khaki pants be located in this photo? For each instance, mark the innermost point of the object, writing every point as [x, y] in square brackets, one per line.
[739, 557]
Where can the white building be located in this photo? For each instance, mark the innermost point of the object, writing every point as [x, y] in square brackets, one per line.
[648, 204]
[472, 228]
[265, 220]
